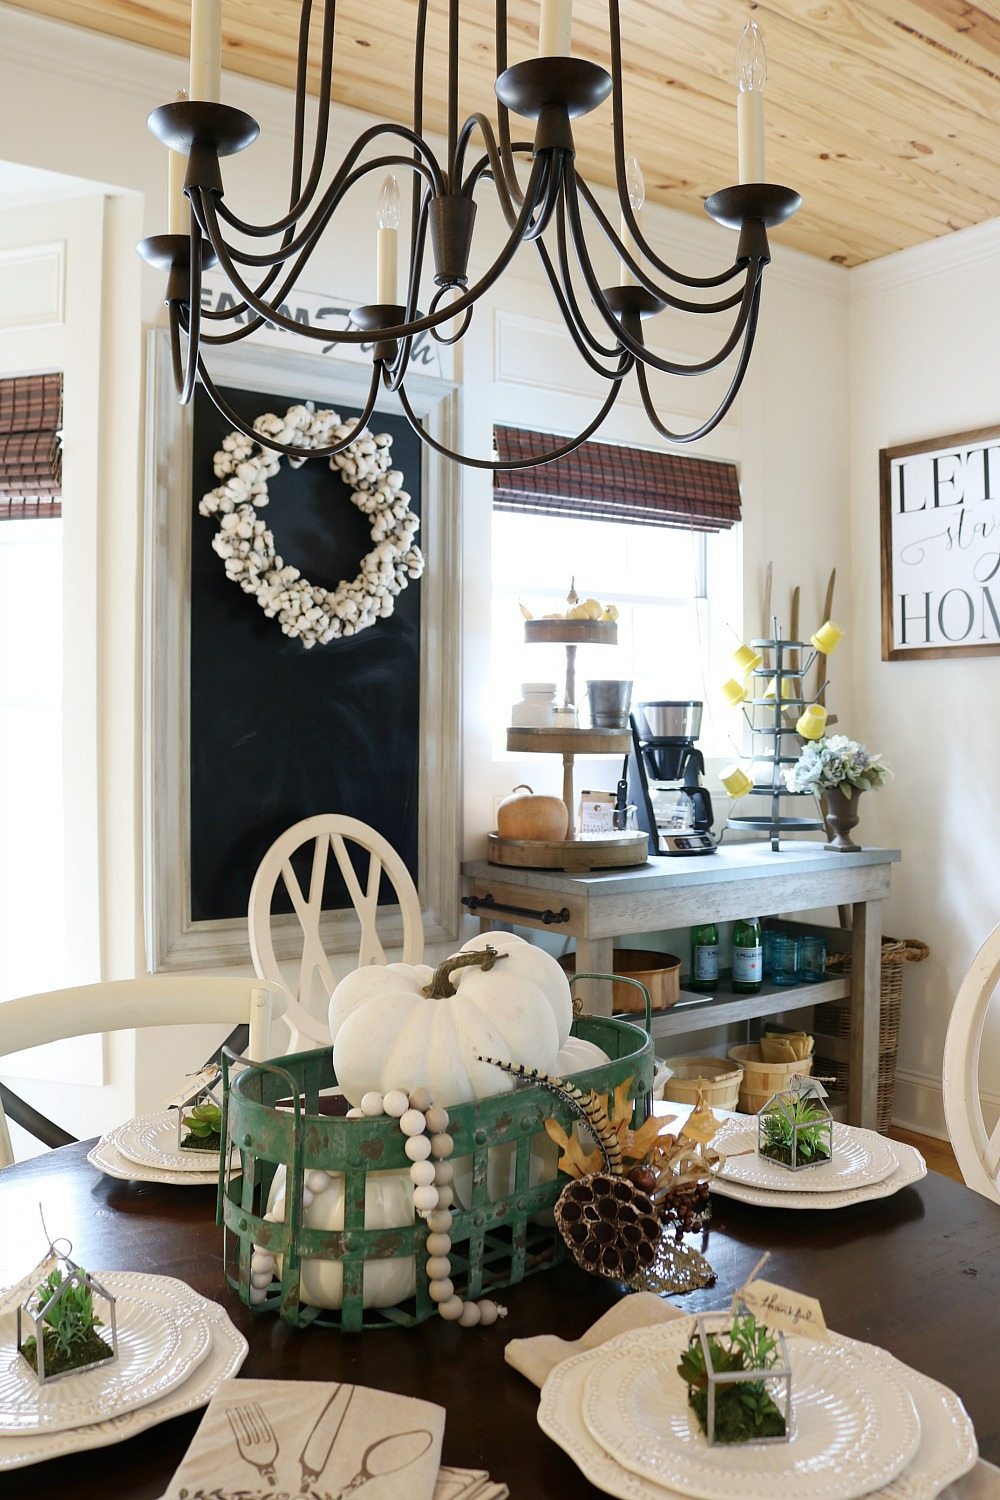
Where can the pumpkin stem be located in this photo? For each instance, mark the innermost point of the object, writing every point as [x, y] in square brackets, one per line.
[441, 987]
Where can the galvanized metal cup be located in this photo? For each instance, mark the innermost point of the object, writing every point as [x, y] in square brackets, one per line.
[609, 702]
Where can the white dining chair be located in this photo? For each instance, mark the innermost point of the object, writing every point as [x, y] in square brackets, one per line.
[328, 832]
[976, 1148]
[128, 1004]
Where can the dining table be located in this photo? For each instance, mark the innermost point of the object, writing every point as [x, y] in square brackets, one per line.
[917, 1273]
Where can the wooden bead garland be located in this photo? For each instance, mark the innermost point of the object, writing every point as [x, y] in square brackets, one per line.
[428, 1145]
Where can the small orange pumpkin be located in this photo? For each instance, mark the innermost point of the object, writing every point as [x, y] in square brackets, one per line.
[532, 815]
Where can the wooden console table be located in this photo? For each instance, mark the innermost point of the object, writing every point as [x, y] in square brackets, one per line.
[738, 881]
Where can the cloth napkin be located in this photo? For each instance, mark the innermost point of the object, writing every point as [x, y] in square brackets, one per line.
[785, 1046]
[301, 1437]
[535, 1357]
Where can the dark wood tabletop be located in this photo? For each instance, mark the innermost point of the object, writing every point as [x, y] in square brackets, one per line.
[918, 1273]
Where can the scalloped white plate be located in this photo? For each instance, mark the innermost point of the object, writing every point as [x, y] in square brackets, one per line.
[227, 1349]
[861, 1158]
[109, 1160]
[151, 1140]
[947, 1440]
[854, 1426]
[157, 1348]
[912, 1168]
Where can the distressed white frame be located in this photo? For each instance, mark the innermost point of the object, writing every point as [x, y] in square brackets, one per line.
[173, 940]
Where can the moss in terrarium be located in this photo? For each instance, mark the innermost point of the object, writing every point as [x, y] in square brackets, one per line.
[69, 1334]
[798, 1122]
[744, 1412]
[204, 1128]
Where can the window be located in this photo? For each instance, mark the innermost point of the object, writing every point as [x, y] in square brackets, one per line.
[675, 590]
[650, 532]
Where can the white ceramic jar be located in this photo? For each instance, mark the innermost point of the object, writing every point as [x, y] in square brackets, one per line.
[537, 707]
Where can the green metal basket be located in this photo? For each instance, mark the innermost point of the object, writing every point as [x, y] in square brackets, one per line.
[495, 1241]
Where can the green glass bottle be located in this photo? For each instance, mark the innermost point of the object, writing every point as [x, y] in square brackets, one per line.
[748, 957]
[704, 957]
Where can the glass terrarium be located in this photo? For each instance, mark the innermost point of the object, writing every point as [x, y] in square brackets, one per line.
[739, 1379]
[67, 1324]
[795, 1126]
[199, 1112]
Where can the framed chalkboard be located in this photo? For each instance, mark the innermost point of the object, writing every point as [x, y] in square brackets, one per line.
[247, 731]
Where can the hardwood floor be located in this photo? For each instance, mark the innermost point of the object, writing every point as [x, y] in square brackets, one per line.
[937, 1154]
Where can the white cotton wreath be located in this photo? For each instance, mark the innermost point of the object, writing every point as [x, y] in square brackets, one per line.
[306, 611]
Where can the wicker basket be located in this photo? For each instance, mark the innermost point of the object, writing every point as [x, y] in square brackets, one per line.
[496, 1242]
[834, 1018]
[761, 1080]
[715, 1078]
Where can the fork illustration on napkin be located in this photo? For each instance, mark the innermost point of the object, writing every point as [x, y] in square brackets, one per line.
[255, 1439]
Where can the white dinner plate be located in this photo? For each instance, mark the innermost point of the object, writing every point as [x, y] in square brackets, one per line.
[227, 1349]
[947, 1441]
[860, 1158]
[911, 1168]
[854, 1426]
[157, 1349]
[109, 1160]
[151, 1140]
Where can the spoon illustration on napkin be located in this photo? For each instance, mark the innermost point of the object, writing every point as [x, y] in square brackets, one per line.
[387, 1455]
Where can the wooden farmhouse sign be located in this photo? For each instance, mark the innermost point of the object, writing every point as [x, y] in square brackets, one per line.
[941, 547]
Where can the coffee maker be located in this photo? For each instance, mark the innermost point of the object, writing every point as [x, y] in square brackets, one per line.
[664, 776]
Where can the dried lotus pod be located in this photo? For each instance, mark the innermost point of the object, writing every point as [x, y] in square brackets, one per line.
[610, 1226]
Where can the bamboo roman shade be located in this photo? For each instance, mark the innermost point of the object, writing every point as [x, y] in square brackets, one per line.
[608, 482]
[30, 446]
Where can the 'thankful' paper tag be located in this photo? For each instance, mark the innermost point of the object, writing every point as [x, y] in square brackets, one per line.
[791, 1312]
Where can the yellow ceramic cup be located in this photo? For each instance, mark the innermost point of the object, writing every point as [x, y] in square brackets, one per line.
[736, 781]
[787, 687]
[827, 638]
[812, 722]
[747, 659]
[734, 691]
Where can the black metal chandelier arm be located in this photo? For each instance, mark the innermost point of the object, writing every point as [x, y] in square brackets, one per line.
[726, 402]
[628, 340]
[565, 272]
[493, 161]
[503, 116]
[618, 130]
[419, 43]
[331, 202]
[299, 198]
[188, 319]
[271, 314]
[671, 299]
[528, 463]
[575, 326]
[428, 164]
[289, 449]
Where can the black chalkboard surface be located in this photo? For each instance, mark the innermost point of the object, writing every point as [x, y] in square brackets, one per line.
[278, 732]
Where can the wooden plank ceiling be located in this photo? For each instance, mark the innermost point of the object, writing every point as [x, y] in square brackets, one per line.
[885, 114]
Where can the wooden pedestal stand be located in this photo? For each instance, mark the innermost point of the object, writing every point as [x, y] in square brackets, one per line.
[576, 854]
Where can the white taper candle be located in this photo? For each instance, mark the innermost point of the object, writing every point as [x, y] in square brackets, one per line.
[751, 75]
[178, 217]
[206, 50]
[555, 28]
[387, 243]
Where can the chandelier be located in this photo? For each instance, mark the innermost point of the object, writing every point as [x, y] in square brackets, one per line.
[548, 204]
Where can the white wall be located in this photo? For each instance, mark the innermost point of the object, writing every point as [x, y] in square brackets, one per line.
[925, 330]
[787, 431]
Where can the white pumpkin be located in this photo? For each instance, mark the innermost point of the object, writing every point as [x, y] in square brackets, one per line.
[392, 1030]
[388, 1205]
[528, 962]
[576, 1055]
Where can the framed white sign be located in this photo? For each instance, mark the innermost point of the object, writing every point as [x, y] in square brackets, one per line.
[940, 504]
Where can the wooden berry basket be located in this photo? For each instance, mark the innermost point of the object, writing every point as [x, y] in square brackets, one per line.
[495, 1242]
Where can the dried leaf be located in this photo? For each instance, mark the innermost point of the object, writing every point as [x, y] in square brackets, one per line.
[701, 1125]
[574, 1161]
[639, 1143]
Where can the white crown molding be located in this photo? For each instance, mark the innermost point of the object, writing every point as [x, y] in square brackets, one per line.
[941, 257]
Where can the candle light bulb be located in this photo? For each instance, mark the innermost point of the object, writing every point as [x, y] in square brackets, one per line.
[751, 59]
[388, 203]
[635, 183]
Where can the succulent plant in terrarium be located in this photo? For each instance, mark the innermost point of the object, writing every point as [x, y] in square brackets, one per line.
[795, 1127]
[61, 1312]
[201, 1127]
[739, 1383]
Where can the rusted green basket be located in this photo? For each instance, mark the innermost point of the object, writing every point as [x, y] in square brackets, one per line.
[495, 1242]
